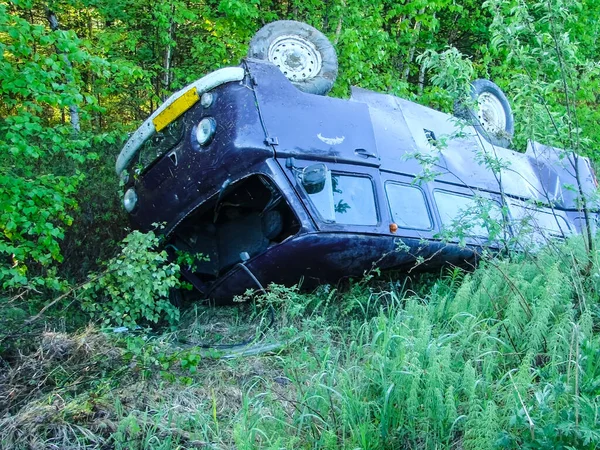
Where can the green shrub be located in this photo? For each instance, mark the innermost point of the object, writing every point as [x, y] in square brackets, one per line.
[135, 286]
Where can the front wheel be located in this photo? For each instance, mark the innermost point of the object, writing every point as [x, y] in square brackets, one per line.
[302, 53]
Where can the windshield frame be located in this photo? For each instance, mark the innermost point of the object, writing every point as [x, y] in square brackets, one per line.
[144, 167]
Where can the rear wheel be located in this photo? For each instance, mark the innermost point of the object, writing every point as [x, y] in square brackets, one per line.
[302, 53]
[492, 118]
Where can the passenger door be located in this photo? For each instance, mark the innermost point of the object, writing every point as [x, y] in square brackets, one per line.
[351, 199]
[314, 127]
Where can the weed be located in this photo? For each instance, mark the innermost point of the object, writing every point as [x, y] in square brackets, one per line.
[505, 357]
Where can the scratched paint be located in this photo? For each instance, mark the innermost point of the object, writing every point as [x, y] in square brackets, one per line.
[266, 126]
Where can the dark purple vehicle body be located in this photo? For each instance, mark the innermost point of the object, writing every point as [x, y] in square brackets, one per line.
[239, 199]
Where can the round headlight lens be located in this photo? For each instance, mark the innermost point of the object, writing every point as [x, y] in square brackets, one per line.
[124, 176]
[206, 100]
[206, 130]
[129, 200]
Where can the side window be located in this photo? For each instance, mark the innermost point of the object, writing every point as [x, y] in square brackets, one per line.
[353, 200]
[467, 215]
[408, 206]
[538, 220]
[323, 200]
[346, 199]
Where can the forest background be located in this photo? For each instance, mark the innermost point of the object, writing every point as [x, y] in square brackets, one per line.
[77, 76]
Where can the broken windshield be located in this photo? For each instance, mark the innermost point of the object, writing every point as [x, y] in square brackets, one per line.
[160, 143]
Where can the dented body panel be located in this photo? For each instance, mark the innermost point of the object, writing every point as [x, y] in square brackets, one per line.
[188, 175]
[239, 199]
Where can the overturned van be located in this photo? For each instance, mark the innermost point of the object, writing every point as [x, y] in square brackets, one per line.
[270, 181]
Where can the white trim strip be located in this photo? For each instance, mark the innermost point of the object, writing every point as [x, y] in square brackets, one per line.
[147, 129]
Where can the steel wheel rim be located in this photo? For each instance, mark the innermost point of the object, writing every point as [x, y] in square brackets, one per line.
[296, 57]
[491, 114]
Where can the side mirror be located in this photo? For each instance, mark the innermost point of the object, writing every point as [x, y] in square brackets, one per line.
[313, 178]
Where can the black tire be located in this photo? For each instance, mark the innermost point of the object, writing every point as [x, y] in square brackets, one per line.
[302, 53]
[499, 134]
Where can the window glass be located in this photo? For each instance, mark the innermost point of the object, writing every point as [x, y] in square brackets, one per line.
[160, 143]
[354, 200]
[408, 206]
[323, 200]
[465, 214]
[539, 220]
[346, 199]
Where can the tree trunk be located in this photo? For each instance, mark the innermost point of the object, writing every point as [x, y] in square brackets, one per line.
[422, 69]
[73, 110]
[168, 55]
[422, 78]
[413, 46]
[338, 29]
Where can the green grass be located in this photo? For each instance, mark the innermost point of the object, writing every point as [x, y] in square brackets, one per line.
[505, 357]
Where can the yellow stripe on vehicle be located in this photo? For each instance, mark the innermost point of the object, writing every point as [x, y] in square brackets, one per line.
[175, 109]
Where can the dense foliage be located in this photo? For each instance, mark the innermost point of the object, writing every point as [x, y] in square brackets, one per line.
[77, 74]
[504, 357]
[135, 285]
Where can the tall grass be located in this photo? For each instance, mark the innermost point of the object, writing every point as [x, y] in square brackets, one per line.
[507, 356]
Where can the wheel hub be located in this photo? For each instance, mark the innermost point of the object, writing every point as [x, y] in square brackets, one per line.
[491, 113]
[296, 57]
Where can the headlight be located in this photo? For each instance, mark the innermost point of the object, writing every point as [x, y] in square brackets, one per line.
[124, 176]
[206, 130]
[129, 200]
[206, 100]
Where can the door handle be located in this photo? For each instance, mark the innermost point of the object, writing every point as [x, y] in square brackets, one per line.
[365, 154]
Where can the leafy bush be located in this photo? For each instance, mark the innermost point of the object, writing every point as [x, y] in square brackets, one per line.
[44, 158]
[34, 215]
[135, 286]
